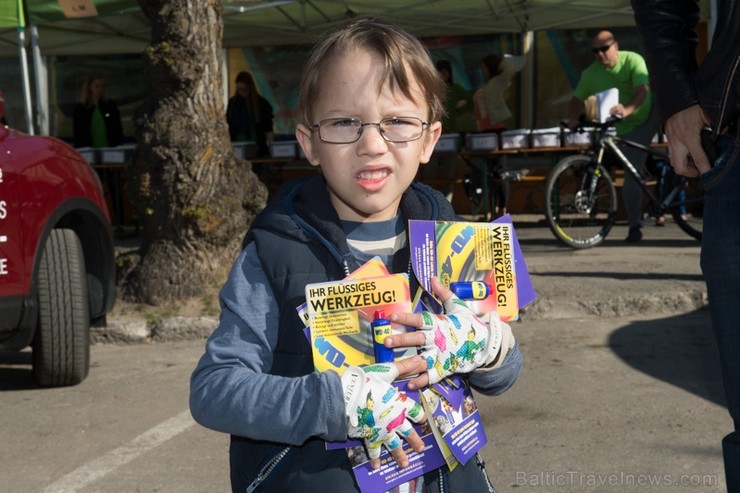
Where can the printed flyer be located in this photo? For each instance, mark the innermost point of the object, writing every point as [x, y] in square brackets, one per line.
[455, 251]
[372, 268]
[451, 405]
[340, 314]
[389, 475]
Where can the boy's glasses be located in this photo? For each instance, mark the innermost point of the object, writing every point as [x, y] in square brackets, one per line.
[396, 129]
[602, 49]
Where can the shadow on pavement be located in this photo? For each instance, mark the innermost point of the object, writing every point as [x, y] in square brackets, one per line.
[679, 350]
[16, 372]
[648, 276]
[609, 242]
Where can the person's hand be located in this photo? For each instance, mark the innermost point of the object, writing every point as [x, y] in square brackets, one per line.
[378, 413]
[455, 342]
[685, 152]
[620, 111]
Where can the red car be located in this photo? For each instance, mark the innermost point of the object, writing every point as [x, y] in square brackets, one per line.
[57, 268]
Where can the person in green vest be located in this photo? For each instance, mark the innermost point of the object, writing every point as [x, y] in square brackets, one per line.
[627, 72]
[97, 121]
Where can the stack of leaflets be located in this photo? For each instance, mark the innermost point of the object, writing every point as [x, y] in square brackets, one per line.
[338, 315]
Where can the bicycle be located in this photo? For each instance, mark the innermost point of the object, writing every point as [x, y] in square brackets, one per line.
[581, 199]
[478, 182]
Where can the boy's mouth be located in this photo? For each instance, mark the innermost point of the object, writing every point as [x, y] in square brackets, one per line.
[377, 174]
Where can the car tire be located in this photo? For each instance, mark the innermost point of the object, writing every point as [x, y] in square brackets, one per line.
[61, 345]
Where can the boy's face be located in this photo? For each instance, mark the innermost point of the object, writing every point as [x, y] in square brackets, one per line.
[366, 178]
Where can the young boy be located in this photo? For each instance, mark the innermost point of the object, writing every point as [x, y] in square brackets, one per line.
[371, 103]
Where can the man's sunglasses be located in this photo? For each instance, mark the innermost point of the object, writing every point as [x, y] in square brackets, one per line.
[602, 49]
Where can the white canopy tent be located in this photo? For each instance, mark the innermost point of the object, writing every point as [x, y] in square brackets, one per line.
[120, 27]
[84, 27]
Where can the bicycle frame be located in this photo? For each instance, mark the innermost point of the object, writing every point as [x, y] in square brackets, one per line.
[581, 199]
[610, 142]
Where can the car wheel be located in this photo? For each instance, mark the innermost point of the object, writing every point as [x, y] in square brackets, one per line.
[61, 346]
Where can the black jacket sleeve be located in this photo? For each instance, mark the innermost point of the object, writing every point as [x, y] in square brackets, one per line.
[667, 29]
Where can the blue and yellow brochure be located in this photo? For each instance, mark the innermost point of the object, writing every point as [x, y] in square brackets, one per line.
[455, 251]
[340, 314]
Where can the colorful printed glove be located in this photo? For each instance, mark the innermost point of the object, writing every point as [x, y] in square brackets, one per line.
[458, 341]
[376, 411]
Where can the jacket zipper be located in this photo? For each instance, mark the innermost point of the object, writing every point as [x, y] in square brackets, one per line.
[726, 97]
[482, 467]
[267, 469]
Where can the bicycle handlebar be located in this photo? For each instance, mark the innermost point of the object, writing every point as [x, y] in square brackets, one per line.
[593, 125]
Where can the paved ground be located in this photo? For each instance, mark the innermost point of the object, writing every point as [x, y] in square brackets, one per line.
[661, 274]
[611, 404]
[620, 389]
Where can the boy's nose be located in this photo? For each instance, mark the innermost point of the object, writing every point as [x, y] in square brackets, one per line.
[372, 141]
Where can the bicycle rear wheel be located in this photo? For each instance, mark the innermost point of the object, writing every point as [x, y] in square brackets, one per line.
[687, 205]
[580, 202]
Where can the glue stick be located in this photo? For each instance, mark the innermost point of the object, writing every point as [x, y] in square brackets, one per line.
[474, 290]
[381, 329]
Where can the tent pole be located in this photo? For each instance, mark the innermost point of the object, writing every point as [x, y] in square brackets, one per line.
[39, 72]
[526, 88]
[26, 79]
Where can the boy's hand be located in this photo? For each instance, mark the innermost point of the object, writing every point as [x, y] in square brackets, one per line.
[456, 342]
[380, 414]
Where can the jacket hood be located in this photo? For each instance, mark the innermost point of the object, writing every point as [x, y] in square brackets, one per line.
[302, 209]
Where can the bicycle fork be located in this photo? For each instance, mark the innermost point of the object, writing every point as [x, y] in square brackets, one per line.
[586, 196]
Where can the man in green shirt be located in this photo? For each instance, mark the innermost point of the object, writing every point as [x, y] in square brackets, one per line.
[627, 72]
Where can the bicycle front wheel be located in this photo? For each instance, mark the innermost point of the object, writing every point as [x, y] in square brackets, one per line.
[580, 202]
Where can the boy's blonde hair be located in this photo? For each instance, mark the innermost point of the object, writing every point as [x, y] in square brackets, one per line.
[398, 48]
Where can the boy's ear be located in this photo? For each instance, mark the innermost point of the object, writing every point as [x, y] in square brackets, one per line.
[433, 133]
[303, 136]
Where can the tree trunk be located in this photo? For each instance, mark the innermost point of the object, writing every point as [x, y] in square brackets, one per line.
[193, 197]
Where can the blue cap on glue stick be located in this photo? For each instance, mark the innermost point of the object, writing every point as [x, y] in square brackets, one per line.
[473, 290]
